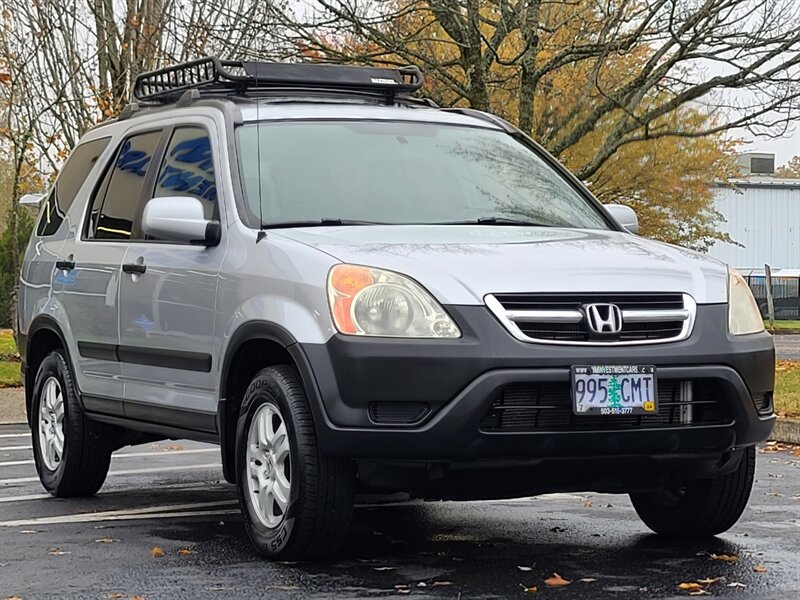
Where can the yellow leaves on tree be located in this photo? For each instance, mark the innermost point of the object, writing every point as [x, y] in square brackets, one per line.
[660, 169]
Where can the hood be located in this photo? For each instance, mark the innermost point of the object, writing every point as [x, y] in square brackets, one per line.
[460, 264]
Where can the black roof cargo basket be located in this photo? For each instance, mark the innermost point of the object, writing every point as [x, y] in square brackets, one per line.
[233, 77]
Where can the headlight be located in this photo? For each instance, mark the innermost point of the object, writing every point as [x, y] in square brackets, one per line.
[743, 313]
[367, 301]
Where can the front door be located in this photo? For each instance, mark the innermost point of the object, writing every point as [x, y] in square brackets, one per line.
[168, 299]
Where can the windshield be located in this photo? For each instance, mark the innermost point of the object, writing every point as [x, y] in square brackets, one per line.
[399, 173]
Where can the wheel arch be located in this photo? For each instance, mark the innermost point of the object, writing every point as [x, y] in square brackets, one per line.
[44, 336]
[253, 346]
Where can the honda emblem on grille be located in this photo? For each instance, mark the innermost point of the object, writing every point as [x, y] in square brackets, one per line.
[603, 318]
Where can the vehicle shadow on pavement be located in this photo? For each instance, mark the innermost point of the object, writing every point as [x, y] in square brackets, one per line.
[497, 549]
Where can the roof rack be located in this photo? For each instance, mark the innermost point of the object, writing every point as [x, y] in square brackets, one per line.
[233, 77]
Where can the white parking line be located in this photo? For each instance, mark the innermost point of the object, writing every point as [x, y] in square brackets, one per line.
[128, 472]
[26, 498]
[17, 463]
[8, 448]
[205, 485]
[10, 435]
[150, 512]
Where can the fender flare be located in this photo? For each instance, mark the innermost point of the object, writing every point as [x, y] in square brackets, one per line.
[42, 322]
[259, 330]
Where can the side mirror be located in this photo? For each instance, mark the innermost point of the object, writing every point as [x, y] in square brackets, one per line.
[625, 216]
[31, 199]
[179, 219]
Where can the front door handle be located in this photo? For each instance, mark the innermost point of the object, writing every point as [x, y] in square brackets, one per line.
[134, 268]
[65, 265]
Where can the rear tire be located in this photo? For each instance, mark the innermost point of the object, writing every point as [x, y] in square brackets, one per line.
[296, 501]
[701, 508]
[71, 453]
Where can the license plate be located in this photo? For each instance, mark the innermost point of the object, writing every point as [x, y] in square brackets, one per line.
[614, 390]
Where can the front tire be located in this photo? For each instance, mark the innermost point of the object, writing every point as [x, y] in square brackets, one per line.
[296, 501]
[71, 453]
[700, 508]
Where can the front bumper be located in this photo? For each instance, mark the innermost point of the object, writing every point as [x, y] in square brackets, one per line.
[458, 381]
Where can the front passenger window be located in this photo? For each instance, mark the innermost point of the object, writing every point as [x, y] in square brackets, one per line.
[188, 169]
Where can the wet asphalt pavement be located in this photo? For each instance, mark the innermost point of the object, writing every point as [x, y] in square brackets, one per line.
[171, 495]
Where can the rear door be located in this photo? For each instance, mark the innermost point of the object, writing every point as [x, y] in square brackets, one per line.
[167, 312]
[48, 276]
[89, 291]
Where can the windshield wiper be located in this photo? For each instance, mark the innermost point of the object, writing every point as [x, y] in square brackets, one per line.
[495, 221]
[318, 223]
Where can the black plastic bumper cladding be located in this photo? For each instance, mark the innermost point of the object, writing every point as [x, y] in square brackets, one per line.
[459, 380]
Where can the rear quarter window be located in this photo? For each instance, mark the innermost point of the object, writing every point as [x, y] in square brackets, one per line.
[68, 184]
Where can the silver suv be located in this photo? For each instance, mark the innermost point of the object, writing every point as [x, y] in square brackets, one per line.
[352, 290]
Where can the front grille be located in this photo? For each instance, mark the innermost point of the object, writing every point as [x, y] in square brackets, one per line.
[646, 318]
[547, 406]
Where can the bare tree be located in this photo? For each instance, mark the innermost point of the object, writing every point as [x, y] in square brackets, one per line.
[64, 66]
[638, 61]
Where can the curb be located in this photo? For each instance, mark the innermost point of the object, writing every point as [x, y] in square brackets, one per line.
[786, 431]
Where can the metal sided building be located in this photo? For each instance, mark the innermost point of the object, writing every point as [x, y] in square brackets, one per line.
[762, 213]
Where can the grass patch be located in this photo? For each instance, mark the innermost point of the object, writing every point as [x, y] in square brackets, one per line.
[8, 348]
[787, 388]
[10, 375]
[779, 325]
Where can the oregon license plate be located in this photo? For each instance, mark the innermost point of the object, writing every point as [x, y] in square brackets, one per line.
[614, 390]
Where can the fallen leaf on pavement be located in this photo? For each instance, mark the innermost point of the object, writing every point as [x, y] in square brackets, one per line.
[736, 584]
[115, 595]
[724, 557]
[57, 552]
[441, 583]
[529, 590]
[587, 580]
[523, 568]
[700, 592]
[12, 598]
[105, 541]
[710, 580]
[384, 568]
[186, 551]
[156, 552]
[556, 581]
[690, 585]
[760, 569]
[138, 598]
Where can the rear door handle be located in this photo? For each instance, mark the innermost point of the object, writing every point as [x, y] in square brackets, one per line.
[134, 268]
[65, 265]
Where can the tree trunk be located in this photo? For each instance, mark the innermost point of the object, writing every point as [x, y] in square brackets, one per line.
[529, 28]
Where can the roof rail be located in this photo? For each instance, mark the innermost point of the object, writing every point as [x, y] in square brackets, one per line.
[233, 77]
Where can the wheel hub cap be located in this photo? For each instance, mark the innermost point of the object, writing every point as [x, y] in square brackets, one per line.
[51, 424]
[268, 466]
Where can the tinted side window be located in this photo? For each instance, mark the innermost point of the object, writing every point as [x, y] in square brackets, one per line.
[188, 169]
[69, 182]
[123, 191]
